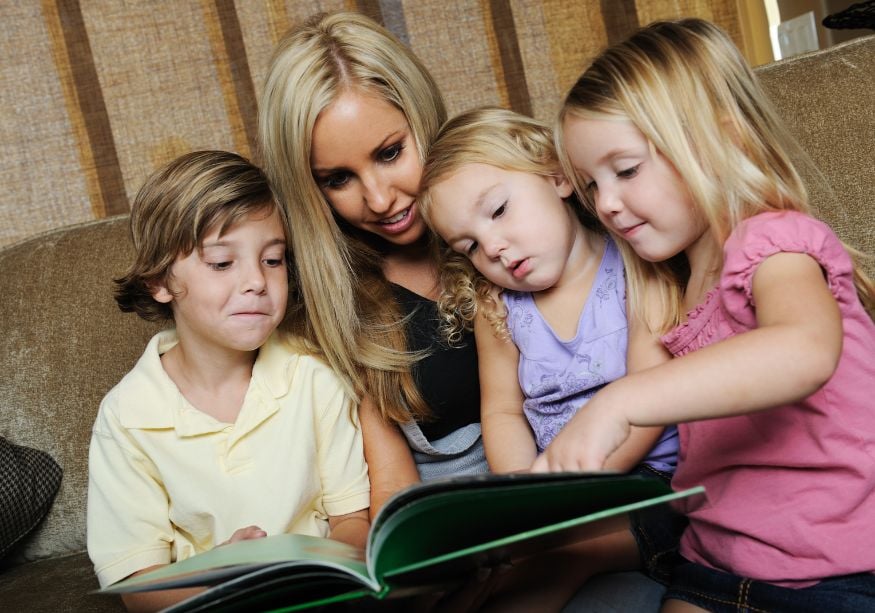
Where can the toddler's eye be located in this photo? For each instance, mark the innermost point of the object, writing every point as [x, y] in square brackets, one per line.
[390, 154]
[629, 172]
[499, 211]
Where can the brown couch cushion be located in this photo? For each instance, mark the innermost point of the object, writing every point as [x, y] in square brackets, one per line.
[63, 344]
[826, 99]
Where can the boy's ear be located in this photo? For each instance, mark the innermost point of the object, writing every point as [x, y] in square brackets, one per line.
[160, 292]
[562, 185]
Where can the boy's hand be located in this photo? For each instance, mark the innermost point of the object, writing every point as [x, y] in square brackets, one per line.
[586, 442]
[245, 534]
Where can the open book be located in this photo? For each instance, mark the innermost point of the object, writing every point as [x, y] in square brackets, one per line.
[428, 537]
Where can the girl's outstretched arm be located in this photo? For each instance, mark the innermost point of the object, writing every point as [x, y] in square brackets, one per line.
[390, 462]
[645, 350]
[793, 351]
[507, 436]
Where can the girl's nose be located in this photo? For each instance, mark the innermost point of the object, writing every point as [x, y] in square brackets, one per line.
[607, 202]
[492, 247]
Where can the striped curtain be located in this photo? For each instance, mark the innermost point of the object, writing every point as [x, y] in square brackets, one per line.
[95, 94]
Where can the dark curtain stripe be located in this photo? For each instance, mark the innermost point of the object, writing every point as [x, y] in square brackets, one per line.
[511, 57]
[244, 90]
[392, 13]
[93, 109]
[372, 9]
[620, 17]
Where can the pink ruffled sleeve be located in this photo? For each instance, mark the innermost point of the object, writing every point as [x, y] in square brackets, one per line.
[766, 234]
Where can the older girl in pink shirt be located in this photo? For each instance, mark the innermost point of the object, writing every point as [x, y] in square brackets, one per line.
[670, 139]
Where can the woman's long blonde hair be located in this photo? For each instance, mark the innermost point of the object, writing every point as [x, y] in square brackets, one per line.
[688, 89]
[348, 309]
[495, 137]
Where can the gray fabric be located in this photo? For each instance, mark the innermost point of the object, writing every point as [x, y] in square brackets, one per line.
[617, 593]
[458, 453]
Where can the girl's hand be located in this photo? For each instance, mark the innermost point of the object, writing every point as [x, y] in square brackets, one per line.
[245, 534]
[586, 442]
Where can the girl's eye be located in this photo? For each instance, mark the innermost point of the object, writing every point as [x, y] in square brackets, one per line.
[219, 265]
[590, 187]
[471, 249]
[499, 211]
[335, 181]
[274, 262]
[629, 172]
[391, 153]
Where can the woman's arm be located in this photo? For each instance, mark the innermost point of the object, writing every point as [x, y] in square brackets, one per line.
[645, 350]
[390, 462]
[507, 436]
[793, 351]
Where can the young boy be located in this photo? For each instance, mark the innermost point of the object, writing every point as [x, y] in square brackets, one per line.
[221, 432]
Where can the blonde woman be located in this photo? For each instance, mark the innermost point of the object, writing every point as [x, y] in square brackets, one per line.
[346, 115]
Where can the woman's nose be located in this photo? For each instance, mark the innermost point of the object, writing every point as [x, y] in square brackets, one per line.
[378, 194]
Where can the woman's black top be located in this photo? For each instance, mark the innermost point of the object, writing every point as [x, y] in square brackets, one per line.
[447, 377]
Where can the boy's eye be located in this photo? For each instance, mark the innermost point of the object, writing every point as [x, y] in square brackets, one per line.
[499, 211]
[629, 172]
[334, 181]
[391, 153]
[219, 265]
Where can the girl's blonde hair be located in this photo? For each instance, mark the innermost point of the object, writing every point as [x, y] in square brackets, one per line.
[688, 89]
[348, 307]
[495, 137]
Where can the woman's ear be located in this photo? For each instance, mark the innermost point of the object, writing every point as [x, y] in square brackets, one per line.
[562, 185]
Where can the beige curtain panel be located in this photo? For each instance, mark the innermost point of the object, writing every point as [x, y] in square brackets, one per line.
[95, 94]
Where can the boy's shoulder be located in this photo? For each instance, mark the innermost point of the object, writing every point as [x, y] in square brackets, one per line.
[145, 396]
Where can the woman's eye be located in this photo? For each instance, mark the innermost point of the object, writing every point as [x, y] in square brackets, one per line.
[590, 187]
[629, 172]
[499, 211]
[390, 154]
[335, 181]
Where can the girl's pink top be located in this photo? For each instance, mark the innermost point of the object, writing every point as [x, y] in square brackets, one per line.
[791, 490]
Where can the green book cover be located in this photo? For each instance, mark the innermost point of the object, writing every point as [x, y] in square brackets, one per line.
[427, 537]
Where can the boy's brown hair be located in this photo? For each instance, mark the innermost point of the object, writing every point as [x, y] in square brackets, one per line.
[177, 206]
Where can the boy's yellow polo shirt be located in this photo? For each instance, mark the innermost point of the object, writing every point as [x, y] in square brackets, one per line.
[167, 481]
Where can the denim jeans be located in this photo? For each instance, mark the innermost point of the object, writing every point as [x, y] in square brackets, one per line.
[717, 591]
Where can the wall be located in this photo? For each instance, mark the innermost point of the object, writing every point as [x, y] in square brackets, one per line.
[95, 94]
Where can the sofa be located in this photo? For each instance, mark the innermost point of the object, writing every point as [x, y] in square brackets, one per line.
[64, 343]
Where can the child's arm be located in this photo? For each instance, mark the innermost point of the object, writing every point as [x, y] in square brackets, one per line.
[645, 350]
[154, 601]
[390, 463]
[793, 351]
[145, 602]
[507, 436]
[350, 528]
